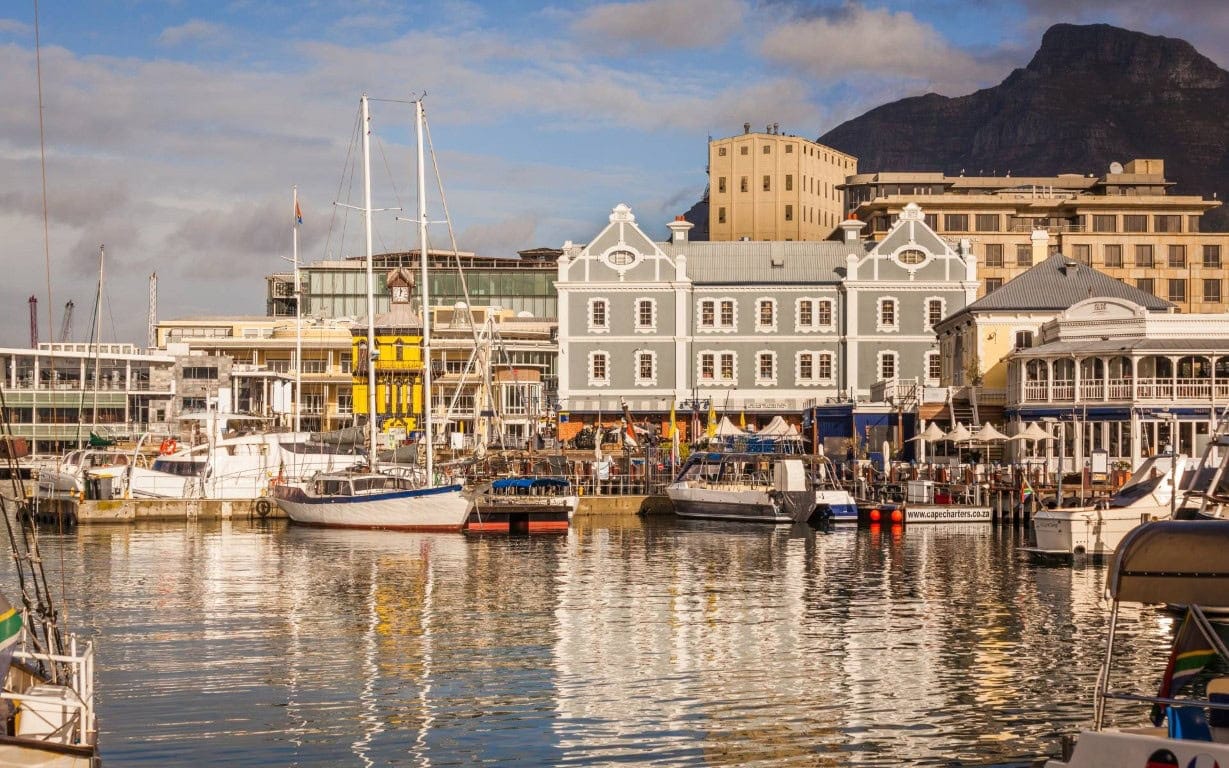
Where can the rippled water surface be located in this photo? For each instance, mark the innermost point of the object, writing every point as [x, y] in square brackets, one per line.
[627, 641]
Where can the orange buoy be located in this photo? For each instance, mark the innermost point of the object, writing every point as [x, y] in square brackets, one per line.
[874, 515]
[898, 516]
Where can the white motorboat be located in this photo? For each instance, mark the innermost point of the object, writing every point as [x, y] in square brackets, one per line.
[365, 499]
[68, 474]
[1176, 562]
[766, 487]
[1095, 530]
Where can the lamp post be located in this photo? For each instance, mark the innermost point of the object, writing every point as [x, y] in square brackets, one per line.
[696, 404]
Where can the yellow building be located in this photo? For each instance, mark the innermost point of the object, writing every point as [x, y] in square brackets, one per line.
[398, 359]
[1122, 223]
[772, 186]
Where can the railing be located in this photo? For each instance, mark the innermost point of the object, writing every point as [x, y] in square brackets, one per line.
[1124, 390]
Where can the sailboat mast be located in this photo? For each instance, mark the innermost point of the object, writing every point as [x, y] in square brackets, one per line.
[298, 317]
[372, 353]
[102, 260]
[428, 432]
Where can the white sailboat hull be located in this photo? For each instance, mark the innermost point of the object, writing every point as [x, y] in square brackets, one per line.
[1086, 530]
[428, 509]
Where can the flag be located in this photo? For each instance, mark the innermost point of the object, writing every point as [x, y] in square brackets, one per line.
[298, 213]
[1026, 489]
[1190, 654]
[10, 632]
[742, 420]
[674, 438]
[711, 428]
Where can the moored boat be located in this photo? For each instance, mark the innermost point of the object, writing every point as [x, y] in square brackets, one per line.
[365, 499]
[523, 505]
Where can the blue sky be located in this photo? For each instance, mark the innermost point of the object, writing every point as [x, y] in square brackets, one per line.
[176, 128]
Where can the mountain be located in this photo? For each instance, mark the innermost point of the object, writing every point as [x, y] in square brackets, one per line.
[1091, 95]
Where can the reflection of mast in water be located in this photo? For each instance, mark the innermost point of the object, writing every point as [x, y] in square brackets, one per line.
[369, 716]
[296, 722]
[424, 689]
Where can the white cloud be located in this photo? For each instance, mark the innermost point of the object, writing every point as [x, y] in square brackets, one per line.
[668, 24]
[195, 31]
[878, 42]
[15, 27]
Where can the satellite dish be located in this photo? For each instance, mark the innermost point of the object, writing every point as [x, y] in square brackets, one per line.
[1115, 167]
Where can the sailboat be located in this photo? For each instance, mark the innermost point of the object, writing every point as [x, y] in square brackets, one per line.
[371, 497]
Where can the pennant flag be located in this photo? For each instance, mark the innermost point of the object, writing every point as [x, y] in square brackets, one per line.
[674, 427]
[711, 427]
[674, 438]
[742, 420]
[10, 632]
[1190, 654]
[298, 213]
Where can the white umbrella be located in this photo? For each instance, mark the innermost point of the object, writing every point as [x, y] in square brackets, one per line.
[960, 434]
[931, 434]
[1032, 433]
[988, 434]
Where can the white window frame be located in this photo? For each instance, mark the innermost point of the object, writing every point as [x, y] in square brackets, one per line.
[830, 379]
[759, 306]
[595, 382]
[816, 379]
[879, 358]
[716, 327]
[760, 379]
[594, 328]
[717, 354]
[700, 366]
[799, 326]
[831, 324]
[652, 326]
[881, 326]
[652, 380]
[700, 314]
[926, 311]
[932, 381]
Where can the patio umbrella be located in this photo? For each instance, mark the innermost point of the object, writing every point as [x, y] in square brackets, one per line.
[988, 434]
[1032, 433]
[960, 434]
[931, 434]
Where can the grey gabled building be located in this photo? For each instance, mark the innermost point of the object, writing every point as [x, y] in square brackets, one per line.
[753, 327]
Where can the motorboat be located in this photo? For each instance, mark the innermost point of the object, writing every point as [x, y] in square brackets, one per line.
[523, 505]
[1094, 530]
[362, 498]
[1168, 562]
[761, 487]
[69, 474]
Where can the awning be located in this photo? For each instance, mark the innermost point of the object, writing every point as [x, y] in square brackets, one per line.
[1173, 561]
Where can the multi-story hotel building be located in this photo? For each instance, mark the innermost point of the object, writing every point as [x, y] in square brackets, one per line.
[773, 186]
[1122, 223]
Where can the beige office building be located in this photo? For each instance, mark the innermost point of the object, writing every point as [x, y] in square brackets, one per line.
[773, 186]
[1122, 223]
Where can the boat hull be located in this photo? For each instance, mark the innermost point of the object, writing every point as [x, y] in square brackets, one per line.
[427, 509]
[1113, 749]
[1077, 531]
[759, 505]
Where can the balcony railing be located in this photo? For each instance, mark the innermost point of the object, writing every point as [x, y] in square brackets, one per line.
[1124, 390]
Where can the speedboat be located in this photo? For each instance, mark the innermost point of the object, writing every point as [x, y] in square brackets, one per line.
[1175, 562]
[70, 473]
[363, 498]
[1095, 530]
[760, 487]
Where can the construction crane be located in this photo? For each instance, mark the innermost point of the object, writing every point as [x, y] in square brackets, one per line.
[66, 324]
[33, 322]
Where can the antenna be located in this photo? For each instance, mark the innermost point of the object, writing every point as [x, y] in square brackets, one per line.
[151, 334]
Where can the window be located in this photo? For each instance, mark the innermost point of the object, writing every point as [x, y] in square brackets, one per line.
[1134, 222]
[1211, 289]
[789, 213]
[646, 369]
[599, 368]
[1113, 255]
[934, 312]
[993, 284]
[767, 183]
[887, 315]
[620, 258]
[707, 366]
[742, 150]
[934, 366]
[646, 314]
[721, 152]
[1024, 255]
[727, 313]
[1166, 223]
[766, 317]
[708, 313]
[598, 318]
[1082, 253]
[1024, 339]
[911, 256]
[1211, 255]
[721, 184]
[1177, 289]
[721, 215]
[767, 149]
[887, 366]
[200, 373]
[824, 314]
[789, 149]
[789, 181]
[987, 222]
[1104, 222]
[806, 366]
[994, 254]
[716, 366]
[956, 222]
[727, 366]
[1177, 255]
[931, 220]
[742, 184]
[1144, 284]
[1143, 256]
[823, 368]
[806, 313]
[766, 368]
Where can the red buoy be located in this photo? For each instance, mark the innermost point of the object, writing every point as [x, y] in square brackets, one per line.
[898, 516]
[874, 515]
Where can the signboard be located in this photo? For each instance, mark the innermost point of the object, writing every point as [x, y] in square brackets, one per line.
[1099, 463]
[946, 514]
[563, 417]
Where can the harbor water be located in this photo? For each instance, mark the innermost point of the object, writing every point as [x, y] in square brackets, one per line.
[634, 641]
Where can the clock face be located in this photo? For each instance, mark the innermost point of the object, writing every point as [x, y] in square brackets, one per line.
[401, 293]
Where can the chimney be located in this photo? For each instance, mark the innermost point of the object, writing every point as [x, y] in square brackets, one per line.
[1041, 245]
[853, 228]
[746, 128]
[679, 229]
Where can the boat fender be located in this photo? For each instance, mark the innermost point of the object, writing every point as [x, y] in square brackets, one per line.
[263, 507]
[168, 446]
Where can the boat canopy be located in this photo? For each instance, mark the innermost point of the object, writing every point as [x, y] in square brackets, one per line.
[505, 483]
[1173, 561]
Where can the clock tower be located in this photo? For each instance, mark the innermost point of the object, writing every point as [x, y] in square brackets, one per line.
[400, 285]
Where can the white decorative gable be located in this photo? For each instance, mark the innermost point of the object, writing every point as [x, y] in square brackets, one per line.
[621, 252]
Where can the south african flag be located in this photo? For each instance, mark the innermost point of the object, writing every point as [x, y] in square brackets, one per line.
[1191, 653]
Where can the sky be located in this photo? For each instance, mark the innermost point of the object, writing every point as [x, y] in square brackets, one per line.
[174, 131]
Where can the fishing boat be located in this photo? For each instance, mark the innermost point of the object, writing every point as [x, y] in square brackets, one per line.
[1176, 562]
[764, 486]
[523, 505]
[1095, 530]
[398, 500]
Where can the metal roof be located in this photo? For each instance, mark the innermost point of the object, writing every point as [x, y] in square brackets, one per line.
[1124, 346]
[760, 261]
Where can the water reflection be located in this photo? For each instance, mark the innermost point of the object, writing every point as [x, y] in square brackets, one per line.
[641, 641]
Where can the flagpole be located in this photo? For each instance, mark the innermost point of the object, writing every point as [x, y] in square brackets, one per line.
[298, 314]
